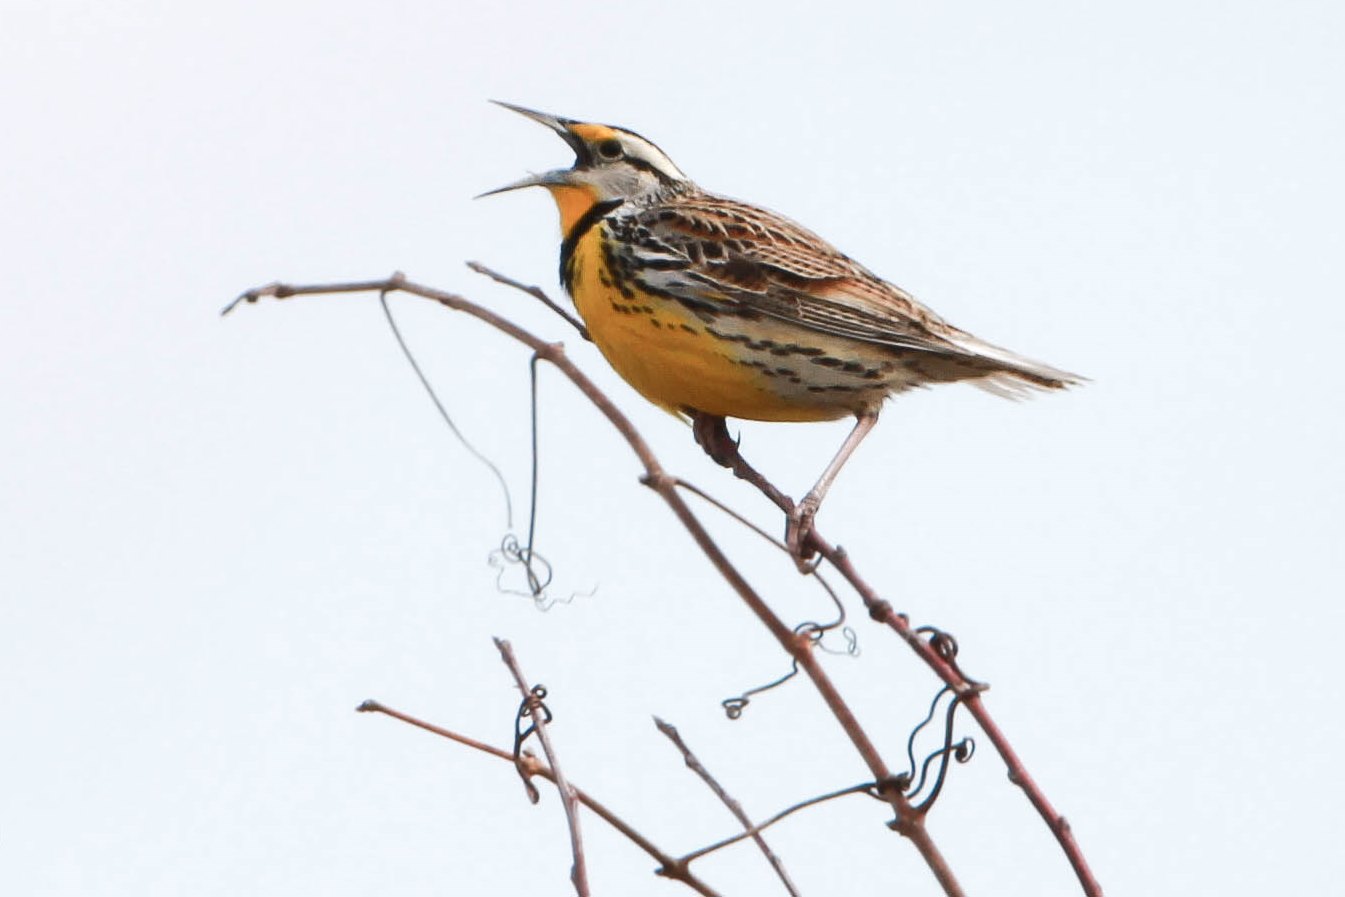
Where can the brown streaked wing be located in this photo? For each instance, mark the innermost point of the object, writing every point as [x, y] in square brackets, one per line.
[754, 259]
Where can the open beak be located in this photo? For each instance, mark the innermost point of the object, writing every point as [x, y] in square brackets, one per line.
[560, 125]
[550, 178]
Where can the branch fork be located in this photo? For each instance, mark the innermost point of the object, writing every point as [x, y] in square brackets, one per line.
[909, 821]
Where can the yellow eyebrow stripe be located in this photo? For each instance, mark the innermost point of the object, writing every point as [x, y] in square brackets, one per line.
[593, 133]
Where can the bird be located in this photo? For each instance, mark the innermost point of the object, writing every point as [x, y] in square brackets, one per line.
[713, 308]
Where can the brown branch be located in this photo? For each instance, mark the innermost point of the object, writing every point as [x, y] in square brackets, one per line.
[867, 788]
[578, 871]
[907, 822]
[882, 611]
[970, 692]
[735, 808]
[729, 512]
[677, 869]
[799, 646]
[537, 293]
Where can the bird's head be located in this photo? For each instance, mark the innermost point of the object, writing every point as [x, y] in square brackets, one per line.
[610, 164]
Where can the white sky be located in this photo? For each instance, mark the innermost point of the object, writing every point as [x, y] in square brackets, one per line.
[218, 536]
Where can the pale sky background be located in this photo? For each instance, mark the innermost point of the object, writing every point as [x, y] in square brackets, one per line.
[218, 536]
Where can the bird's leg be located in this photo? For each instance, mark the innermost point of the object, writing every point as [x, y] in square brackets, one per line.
[713, 436]
[800, 524]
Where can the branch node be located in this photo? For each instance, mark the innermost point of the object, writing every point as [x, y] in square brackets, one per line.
[674, 869]
[935, 652]
[551, 351]
[897, 783]
[658, 480]
[695, 765]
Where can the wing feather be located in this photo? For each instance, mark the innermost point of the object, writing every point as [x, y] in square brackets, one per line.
[750, 259]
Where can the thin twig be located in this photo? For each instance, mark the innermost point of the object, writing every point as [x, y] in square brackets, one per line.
[970, 693]
[669, 866]
[537, 293]
[867, 788]
[730, 512]
[799, 646]
[579, 871]
[777, 543]
[908, 822]
[735, 808]
[882, 611]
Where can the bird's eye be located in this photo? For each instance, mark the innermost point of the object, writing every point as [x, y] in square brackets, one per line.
[610, 148]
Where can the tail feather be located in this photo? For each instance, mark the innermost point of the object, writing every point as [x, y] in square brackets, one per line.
[1011, 375]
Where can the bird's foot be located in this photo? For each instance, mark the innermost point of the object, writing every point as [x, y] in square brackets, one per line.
[712, 434]
[799, 531]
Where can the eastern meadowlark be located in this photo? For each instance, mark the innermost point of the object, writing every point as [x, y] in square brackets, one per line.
[714, 308]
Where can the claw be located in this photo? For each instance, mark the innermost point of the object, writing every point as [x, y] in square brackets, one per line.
[798, 532]
[712, 435]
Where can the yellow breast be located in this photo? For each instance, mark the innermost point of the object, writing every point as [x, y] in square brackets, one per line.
[680, 359]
